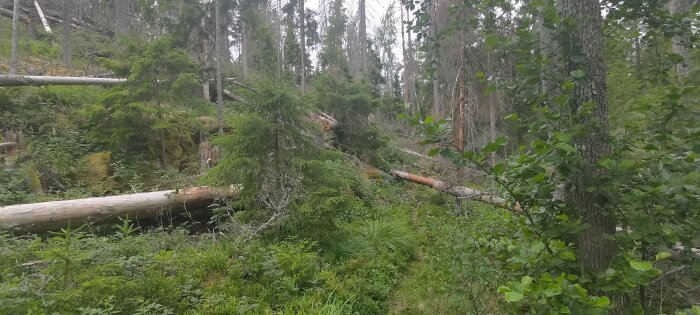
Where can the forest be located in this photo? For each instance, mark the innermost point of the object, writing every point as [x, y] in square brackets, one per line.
[350, 157]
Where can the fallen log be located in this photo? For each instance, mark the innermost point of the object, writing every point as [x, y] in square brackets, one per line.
[234, 97]
[8, 145]
[457, 191]
[44, 22]
[8, 14]
[32, 80]
[469, 170]
[44, 216]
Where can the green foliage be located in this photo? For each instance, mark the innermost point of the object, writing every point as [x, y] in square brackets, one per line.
[173, 273]
[648, 181]
[457, 272]
[351, 104]
[269, 140]
[148, 111]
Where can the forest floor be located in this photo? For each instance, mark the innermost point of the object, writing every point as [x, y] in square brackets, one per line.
[450, 274]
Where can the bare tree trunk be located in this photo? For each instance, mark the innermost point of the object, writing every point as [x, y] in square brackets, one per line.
[67, 53]
[362, 40]
[438, 108]
[459, 139]
[120, 17]
[14, 55]
[549, 53]
[583, 194]
[219, 84]
[302, 43]
[244, 56]
[406, 75]
[681, 43]
[38, 217]
[205, 90]
[458, 191]
[280, 40]
[492, 112]
[30, 80]
[42, 17]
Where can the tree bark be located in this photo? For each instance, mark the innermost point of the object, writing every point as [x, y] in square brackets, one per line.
[29, 80]
[219, 84]
[492, 112]
[438, 106]
[53, 215]
[67, 53]
[120, 17]
[14, 55]
[458, 191]
[583, 193]
[362, 38]
[205, 91]
[459, 139]
[7, 145]
[404, 75]
[233, 97]
[44, 22]
[302, 43]
[681, 43]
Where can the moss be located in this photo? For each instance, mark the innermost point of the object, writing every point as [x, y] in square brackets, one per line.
[95, 172]
[33, 179]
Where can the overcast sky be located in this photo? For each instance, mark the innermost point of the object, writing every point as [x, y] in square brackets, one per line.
[374, 10]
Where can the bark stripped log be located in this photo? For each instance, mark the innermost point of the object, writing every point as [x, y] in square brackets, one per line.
[43, 216]
[8, 14]
[234, 97]
[457, 191]
[44, 22]
[31, 80]
[471, 171]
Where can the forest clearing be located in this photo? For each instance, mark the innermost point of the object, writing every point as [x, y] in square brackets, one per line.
[349, 157]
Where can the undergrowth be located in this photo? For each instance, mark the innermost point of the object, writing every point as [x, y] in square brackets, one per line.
[171, 271]
[454, 274]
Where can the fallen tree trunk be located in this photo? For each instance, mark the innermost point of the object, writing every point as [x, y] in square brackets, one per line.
[457, 191]
[30, 80]
[8, 14]
[471, 171]
[234, 97]
[8, 145]
[44, 22]
[44, 216]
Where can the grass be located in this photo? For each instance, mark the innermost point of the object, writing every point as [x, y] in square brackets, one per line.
[169, 271]
[452, 275]
[42, 55]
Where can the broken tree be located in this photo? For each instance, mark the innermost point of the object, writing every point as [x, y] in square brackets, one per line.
[458, 191]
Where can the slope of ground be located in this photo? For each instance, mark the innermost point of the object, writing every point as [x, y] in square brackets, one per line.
[453, 274]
